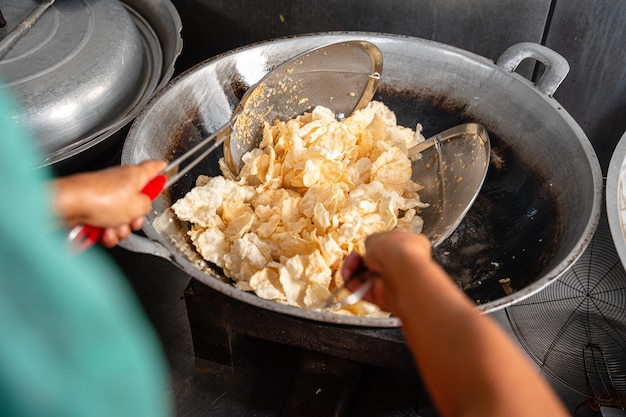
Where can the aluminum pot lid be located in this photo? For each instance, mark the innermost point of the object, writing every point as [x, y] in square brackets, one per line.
[81, 68]
[615, 190]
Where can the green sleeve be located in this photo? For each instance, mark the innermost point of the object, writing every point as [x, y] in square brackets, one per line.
[75, 341]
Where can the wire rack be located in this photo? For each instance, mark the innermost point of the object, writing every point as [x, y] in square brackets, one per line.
[575, 328]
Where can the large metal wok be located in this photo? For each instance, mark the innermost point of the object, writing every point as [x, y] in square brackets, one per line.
[535, 214]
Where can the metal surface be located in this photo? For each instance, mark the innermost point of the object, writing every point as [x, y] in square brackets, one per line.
[556, 70]
[420, 83]
[69, 89]
[342, 297]
[616, 198]
[576, 328]
[601, 381]
[452, 170]
[24, 26]
[85, 70]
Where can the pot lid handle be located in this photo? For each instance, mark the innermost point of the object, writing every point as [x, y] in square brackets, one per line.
[24, 26]
[556, 67]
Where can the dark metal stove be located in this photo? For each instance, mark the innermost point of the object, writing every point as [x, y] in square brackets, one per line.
[330, 368]
[216, 319]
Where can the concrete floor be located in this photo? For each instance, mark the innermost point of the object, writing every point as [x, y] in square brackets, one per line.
[259, 383]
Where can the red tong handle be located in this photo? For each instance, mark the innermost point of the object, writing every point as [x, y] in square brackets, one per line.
[154, 187]
[88, 235]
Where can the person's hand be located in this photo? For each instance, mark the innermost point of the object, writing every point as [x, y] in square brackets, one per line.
[110, 198]
[393, 257]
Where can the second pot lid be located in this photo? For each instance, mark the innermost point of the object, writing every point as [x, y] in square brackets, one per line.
[80, 67]
[615, 190]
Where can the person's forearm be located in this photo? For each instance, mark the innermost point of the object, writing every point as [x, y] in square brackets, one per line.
[467, 362]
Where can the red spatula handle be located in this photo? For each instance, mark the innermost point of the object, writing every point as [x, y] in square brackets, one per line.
[84, 236]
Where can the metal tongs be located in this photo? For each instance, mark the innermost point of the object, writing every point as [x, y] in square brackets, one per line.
[84, 236]
[341, 76]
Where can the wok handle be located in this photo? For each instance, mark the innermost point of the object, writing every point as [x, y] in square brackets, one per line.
[84, 236]
[556, 69]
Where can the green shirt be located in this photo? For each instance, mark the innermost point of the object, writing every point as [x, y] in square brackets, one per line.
[73, 339]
